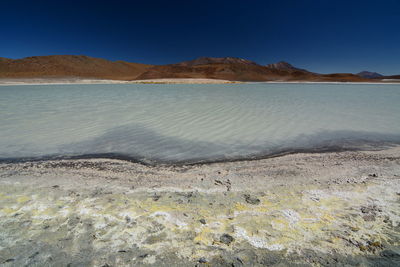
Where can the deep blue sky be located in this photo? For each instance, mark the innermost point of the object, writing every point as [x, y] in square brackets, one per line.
[319, 35]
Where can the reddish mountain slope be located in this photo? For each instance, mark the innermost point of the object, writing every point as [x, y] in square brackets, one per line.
[237, 69]
[69, 66]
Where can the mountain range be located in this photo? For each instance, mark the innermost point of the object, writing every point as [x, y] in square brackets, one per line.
[227, 68]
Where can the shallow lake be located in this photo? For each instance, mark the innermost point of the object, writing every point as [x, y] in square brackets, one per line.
[160, 123]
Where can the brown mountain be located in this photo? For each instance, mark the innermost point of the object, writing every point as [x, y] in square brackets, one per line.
[69, 66]
[213, 68]
[237, 69]
[226, 68]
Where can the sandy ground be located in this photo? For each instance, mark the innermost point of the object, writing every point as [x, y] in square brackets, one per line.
[336, 209]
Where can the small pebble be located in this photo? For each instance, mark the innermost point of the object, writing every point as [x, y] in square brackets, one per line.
[226, 239]
[202, 260]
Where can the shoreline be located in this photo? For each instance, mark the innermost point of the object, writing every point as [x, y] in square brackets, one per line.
[305, 208]
[69, 81]
[367, 147]
[329, 157]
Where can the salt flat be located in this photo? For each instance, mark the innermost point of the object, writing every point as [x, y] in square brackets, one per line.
[310, 209]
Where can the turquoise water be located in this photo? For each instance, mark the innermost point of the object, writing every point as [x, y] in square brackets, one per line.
[193, 123]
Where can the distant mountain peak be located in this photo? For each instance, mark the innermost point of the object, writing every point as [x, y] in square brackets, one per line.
[215, 60]
[283, 65]
[369, 74]
[280, 65]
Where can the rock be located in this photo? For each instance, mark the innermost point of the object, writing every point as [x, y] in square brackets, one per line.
[226, 239]
[9, 260]
[218, 182]
[202, 260]
[251, 200]
[239, 260]
[365, 209]
[203, 221]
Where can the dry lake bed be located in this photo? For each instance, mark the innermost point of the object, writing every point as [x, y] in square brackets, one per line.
[337, 209]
